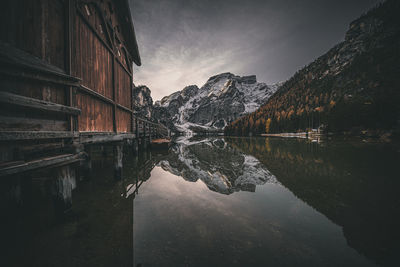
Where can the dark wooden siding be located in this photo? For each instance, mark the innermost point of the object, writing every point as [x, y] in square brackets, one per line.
[96, 116]
[35, 89]
[93, 62]
[123, 87]
[78, 38]
[37, 27]
[124, 121]
[33, 35]
[100, 60]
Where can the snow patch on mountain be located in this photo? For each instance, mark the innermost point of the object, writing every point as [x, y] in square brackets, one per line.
[222, 99]
[235, 171]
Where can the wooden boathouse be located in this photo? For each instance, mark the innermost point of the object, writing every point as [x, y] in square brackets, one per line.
[66, 84]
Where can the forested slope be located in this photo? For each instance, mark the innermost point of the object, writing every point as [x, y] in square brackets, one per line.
[353, 87]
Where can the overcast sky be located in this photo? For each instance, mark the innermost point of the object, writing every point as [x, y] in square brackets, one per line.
[184, 42]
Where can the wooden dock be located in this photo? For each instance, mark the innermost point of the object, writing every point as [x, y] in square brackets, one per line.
[161, 143]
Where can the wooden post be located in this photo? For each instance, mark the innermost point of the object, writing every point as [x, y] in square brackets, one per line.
[88, 163]
[150, 132]
[13, 193]
[137, 128]
[144, 135]
[63, 184]
[135, 146]
[104, 151]
[118, 155]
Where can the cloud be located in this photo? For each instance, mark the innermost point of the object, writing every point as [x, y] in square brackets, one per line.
[184, 42]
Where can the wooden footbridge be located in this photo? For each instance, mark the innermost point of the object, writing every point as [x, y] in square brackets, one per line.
[66, 84]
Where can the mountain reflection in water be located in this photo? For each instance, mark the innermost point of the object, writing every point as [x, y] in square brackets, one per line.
[221, 167]
[223, 202]
[297, 184]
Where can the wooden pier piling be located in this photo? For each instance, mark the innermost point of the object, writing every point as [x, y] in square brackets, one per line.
[63, 184]
[118, 157]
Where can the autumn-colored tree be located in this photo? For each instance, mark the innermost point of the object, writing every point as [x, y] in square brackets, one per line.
[267, 125]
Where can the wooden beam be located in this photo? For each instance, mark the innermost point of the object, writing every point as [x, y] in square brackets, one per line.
[114, 109]
[29, 135]
[124, 108]
[123, 67]
[40, 163]
[118, 157]
[40, 148]
[103, 98]
[114, 84]
[68, 57]
[68, 36]
[111, 37]
[91, 92]
[28, 102]
[93, 138]
[37, 76]
[29, 124]
[94, 31]
[62, 185]
[32, 67]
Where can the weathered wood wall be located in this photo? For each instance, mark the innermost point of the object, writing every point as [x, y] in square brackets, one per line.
[65, 73]
[93, 62]
[37, 27]
[104, 65]
[75, 38]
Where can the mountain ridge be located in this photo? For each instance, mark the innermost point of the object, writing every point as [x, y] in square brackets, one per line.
[222, 99]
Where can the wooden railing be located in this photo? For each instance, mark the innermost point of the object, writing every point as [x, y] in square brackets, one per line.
[144, 128]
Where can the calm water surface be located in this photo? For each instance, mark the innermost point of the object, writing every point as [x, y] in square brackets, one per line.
[269, 202]
[234, 202]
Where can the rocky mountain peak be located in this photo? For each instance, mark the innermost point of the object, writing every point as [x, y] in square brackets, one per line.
[142, 101]
[222, 99]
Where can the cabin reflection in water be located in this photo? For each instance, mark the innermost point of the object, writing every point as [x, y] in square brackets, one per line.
[97, 231]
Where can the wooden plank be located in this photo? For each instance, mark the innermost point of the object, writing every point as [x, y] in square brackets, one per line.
[40, 163]
[11, 56]
[92, 59]
[93, 30]
[123, 121]
[21, 74]
[28, 124]
[123, 89]
[95, 94]
[39, 148]
[10, 163]
[93, 138]
[109, 36]
[114, 85]
[118, 156]
[123, 67]
[37, 104]
[96, 115]
[68, 57]
[29, 135]
[124, 108]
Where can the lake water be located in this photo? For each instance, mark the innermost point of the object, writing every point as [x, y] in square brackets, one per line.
[232, 202]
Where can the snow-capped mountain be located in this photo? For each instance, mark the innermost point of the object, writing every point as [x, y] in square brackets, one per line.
[222, 99]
